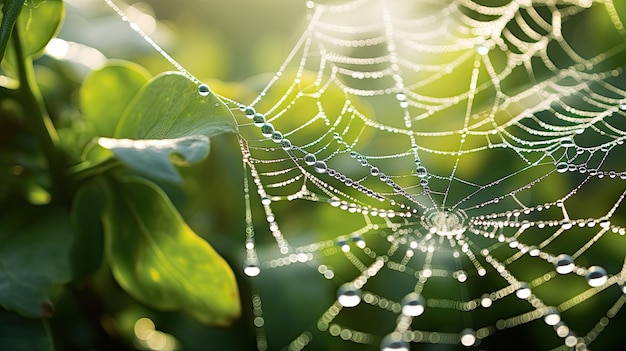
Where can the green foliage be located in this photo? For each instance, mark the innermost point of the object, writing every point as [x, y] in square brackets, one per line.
[30, 283]
[75, 205]
[10, 11]
[23, 334]
[160, 261]
[106, 92]
[166, 119]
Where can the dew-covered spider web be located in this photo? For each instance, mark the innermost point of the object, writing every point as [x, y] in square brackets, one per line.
[440, 175]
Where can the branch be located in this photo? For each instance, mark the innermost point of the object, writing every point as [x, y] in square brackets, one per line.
[38, 118]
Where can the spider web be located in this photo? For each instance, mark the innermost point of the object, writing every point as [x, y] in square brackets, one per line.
[449, 172]
[439, 175]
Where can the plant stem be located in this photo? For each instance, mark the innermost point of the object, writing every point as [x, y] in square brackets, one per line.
[39, 120]
[86, 170]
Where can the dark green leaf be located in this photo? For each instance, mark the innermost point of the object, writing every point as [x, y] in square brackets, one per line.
[19, 333]
[10, 11]
[86, 217]
[170, 107]
[160, 261]
[154, 157]
[106, 93]
[34, 258]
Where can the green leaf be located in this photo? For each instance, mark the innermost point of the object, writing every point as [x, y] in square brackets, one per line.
[19, 333]
[38, 22]
[86, 219]
[10, 11]
[154, 156]
[160, 261]
[34, 258]
[106, 93]
[170, 107]
[168, 120]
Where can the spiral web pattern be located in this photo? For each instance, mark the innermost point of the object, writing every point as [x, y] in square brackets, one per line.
[441, 174]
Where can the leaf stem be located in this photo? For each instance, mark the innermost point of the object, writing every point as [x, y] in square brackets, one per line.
[39, 120]
[87, 169]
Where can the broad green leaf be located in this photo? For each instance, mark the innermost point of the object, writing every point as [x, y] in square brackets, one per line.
[19, 333]
[35, 244]
[10, 11]
[154, 156]
[168, 120]
[170, 107]
[86, 219]
[160, 261]
[38, 22]
[106, 92]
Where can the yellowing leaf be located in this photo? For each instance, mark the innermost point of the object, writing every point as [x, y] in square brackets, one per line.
[160, 261]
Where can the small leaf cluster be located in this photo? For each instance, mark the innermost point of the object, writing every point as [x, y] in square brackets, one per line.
[82, 192]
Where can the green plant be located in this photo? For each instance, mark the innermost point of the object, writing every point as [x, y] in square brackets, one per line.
[81, 189]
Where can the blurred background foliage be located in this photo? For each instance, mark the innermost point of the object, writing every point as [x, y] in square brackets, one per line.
[221, 42]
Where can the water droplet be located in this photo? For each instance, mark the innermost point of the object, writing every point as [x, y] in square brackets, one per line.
[251, 270]
[265, 200]
[320, 167]
[486, 301]
[596, 276]
[622, 106]
[468, 337]
[334, 202]
[250, 112]
[567, 142]
[424, 182]
[310, 159]
[482, 49]
[564, 264]
[394, 342]
[203, 90]
[552, 316]
[258, 119]
[358, 241]
[285, 144]
[421, 171]
[400, 97]
[353, 154]
[277, 136]
[571, 340]
[413, 304]
[523, 292]
[562, 167]
[348, 295]
[374, 171]
[267, 129]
